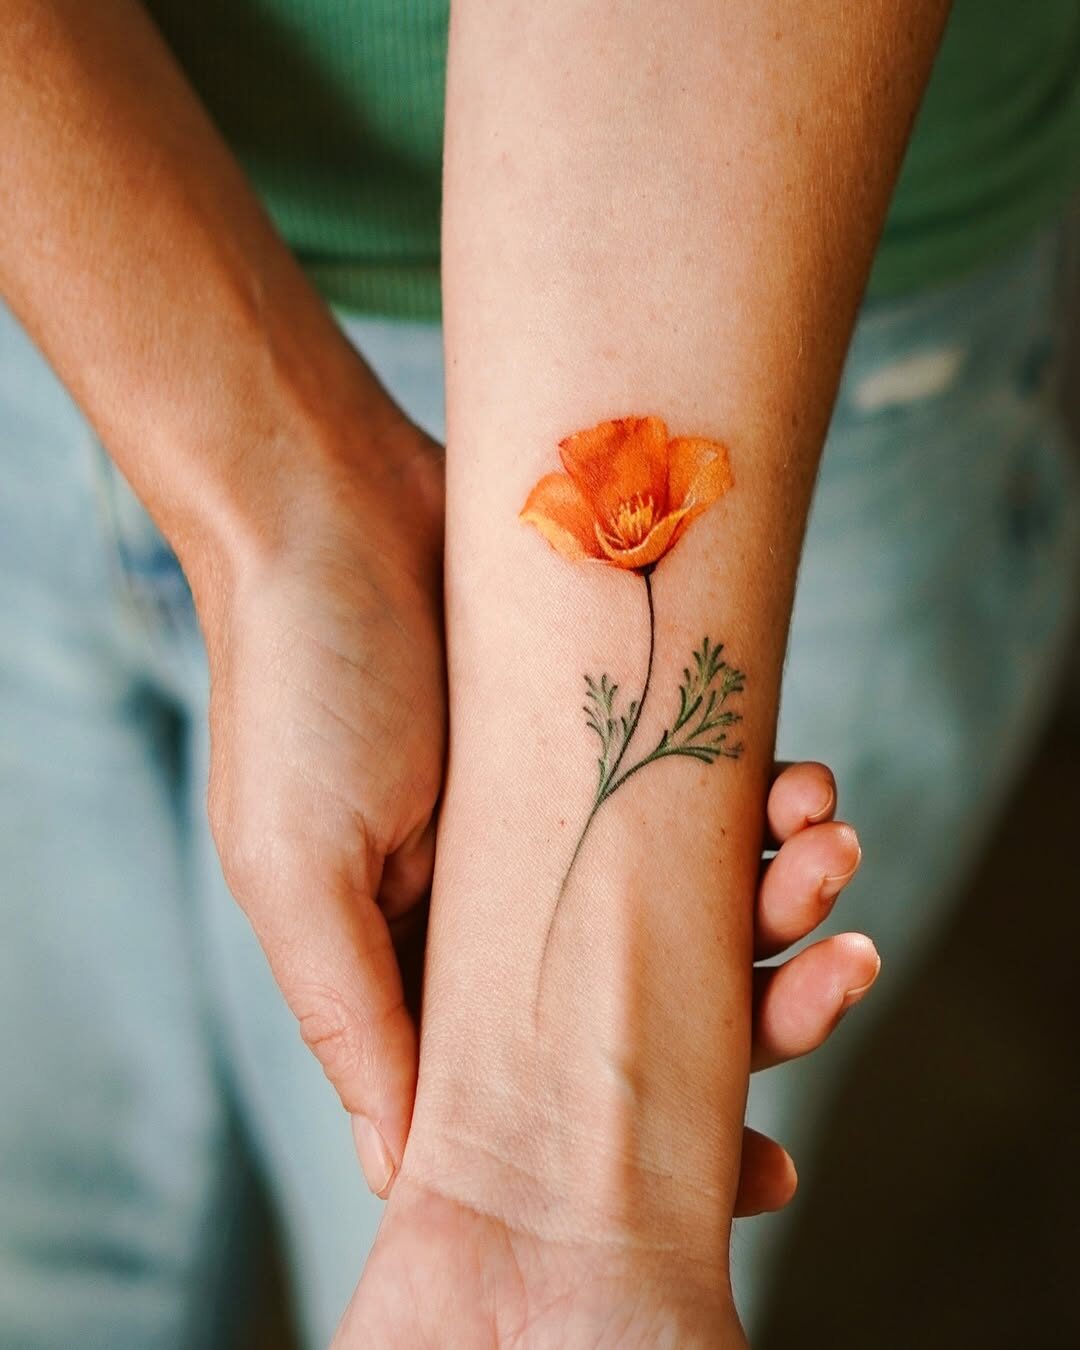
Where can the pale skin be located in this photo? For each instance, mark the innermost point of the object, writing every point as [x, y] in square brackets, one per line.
[307, 512]
[647, 211]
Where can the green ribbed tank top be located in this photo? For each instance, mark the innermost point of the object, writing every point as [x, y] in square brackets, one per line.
[335, 109]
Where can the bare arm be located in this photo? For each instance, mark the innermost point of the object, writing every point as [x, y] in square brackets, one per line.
[138, 257]
[661, 212]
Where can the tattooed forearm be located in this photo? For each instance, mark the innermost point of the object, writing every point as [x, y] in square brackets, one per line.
[627, 497]
[699, 730]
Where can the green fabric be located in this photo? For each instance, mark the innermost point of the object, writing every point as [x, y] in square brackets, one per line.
[335, 108]
[996, 147]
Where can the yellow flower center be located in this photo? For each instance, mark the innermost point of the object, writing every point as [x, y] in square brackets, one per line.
[631, 522]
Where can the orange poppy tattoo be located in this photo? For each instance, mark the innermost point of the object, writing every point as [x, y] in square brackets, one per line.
[629, 494]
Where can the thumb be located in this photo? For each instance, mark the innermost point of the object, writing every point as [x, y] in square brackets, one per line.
[407, 872]
[331, 952]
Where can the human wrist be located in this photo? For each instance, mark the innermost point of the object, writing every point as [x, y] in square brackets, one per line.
[290, 469]
[567, 1247]
[507, 1287]
[620, 1122]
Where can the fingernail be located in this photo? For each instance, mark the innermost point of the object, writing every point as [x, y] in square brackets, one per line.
[832, 886]
[823, 812]
[854, 995]
[374, 1156]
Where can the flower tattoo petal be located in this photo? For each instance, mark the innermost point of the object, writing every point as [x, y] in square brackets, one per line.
[563, 516]
[617, 463]
[628, 492]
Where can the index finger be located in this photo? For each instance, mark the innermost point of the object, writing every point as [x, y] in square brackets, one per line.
[800, 794]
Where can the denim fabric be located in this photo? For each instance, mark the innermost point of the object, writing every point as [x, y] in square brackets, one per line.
[935, 606]
[146, 1058]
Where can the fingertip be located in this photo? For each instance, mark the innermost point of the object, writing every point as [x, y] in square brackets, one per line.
[800, 885]
[801, 794]
[376, 1159]
[780, 1191]
[798, 1005]
[865, 966]
[768, 1179]
[860, 946]
[846, 842]
[790, 1181]
[827, 799]
[407, 872]
[785, 1181]
[848, 837]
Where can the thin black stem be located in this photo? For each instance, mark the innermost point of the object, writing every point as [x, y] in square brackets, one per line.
[610, 775]
[600, 799]
[605, 789]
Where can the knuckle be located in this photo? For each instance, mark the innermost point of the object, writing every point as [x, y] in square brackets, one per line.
[338, 1035]
[242, 850]
[259, 847]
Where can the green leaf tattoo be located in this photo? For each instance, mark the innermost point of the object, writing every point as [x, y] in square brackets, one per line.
[700, 730]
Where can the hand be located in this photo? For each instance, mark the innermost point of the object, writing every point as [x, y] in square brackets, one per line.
[328, 728]
[489, 1281]
[328, 724]
[442, 1274]
[798, 1005]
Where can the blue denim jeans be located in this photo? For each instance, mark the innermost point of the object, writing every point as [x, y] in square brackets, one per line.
[148, 1067]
